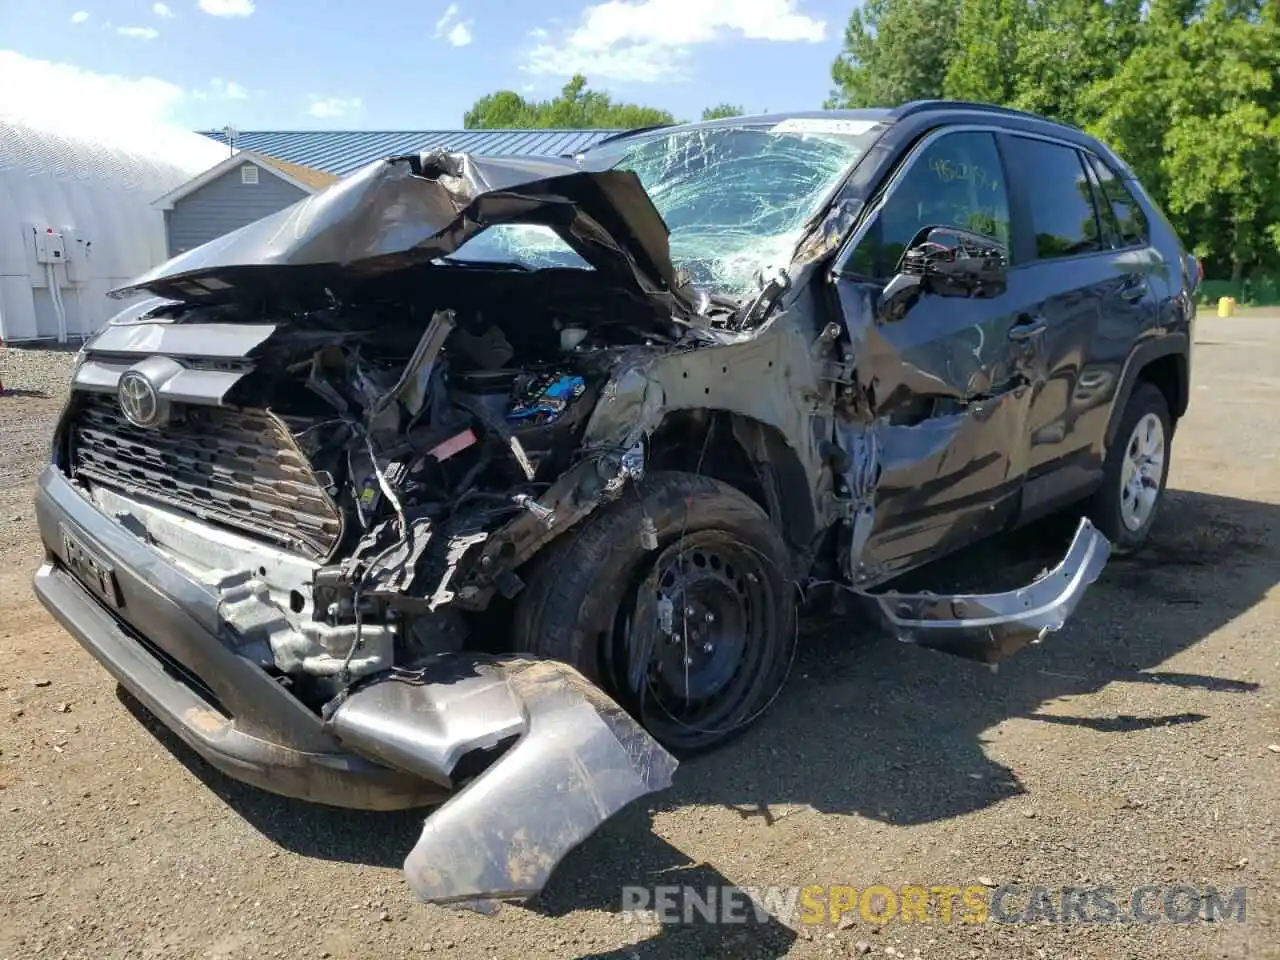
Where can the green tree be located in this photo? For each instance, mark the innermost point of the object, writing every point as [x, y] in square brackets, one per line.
[1066, 46]
[1186, 91]
[722, 110]
[894, 51]
[1196, 111]
[987, 37]
[577, 107]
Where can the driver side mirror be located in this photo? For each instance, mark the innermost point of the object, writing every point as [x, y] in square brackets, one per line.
[946, 262]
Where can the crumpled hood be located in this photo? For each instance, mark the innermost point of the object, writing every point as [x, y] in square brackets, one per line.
[410, 210]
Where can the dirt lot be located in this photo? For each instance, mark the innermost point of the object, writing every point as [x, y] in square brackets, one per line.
[1132, 748]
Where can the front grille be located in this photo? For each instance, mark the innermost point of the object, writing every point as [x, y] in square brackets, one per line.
[237, 468]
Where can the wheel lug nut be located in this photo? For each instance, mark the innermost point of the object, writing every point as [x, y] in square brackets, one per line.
[688, 661]
[707, 647]
[689, 611]
[710, 617]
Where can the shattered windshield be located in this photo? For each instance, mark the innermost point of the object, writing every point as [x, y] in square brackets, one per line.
[736, 199]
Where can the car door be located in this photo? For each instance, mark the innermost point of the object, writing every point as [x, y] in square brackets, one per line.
[1090, 293]
[948, 380]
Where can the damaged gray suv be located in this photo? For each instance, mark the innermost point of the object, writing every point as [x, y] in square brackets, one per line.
[491, 483]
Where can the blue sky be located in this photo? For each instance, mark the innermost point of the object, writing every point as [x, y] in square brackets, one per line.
[404, 64]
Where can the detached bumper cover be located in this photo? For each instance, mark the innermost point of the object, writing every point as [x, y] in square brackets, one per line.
[572, 756]
[990, 627]
[579, 760]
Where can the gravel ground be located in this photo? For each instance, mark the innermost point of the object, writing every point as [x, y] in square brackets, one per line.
[1132, 748]
[35, 386]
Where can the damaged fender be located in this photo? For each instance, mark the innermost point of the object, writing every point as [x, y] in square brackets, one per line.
[579, 759]
[990, 627]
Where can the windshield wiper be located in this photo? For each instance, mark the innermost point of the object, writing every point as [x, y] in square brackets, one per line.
[483, 264]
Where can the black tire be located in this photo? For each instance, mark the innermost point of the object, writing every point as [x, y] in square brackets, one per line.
[1107, 507]
[590, 596]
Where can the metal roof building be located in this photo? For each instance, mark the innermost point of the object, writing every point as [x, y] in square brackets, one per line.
[342, 151]
[244, 187]
[76, 218]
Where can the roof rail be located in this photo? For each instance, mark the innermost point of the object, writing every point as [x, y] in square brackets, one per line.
[925, 106]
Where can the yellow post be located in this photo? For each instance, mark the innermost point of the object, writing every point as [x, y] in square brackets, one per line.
[1226, 306]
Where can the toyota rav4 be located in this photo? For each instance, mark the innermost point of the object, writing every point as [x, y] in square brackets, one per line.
[493, 482]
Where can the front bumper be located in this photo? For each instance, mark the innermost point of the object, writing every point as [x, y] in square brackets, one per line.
[396, 741]
[158, 634]
[230, 743]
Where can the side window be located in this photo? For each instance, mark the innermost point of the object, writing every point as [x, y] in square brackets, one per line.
[956, 181]
[1106, 216]
[1132, 222]
[1061, 198]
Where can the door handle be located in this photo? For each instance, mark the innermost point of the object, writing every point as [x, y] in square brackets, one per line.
[1133, 292]
[1026, 327]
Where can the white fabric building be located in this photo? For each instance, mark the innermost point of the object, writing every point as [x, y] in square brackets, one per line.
[76, 218]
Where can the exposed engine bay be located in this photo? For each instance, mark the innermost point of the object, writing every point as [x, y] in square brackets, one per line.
[402, 446]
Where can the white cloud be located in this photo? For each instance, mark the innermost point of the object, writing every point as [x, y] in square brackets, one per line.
[138, 33]
[227, 8]
[60, 93]
[162, 10]
[632, 62]
[329, 108]
[645, 41]
[460, 34]
[455, 31]
[80, 16]
[220, 89]
[450, 12]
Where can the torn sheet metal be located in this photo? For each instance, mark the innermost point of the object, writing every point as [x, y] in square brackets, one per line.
[412, 210]
[424, 721]
[579, 760]
[411, 388]
[990, 627]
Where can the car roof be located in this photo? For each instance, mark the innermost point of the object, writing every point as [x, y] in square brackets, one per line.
[918, 113]
[754, 119]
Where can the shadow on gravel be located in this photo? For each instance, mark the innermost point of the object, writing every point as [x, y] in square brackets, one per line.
[380, 839]
[889, 732]
[1125, 723]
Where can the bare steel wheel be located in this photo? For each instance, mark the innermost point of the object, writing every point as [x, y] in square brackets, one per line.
[696, 644]
[1135, 472]
[693, 638]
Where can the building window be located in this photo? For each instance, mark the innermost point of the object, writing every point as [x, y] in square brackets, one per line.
[249, 175]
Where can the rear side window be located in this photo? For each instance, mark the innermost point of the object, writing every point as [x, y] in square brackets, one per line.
[957, 180]
[1061, 199]
[1131, 221]
[1106, 216]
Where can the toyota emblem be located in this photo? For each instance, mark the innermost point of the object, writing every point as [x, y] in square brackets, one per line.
[138, 400]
